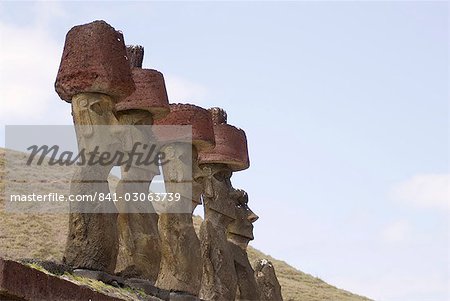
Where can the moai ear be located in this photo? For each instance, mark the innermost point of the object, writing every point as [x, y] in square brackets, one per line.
[80, 105]
[169, 152]
[208, 188]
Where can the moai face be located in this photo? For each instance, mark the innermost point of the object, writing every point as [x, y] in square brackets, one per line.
[132, 135]
[245, 217]
[217, 189]
[135, 117]
[95, 109]
[178, 171]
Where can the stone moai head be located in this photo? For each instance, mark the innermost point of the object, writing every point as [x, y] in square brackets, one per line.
[229, 155]
[94, 74]
[242, 226]
[181, 154]
[149, 101]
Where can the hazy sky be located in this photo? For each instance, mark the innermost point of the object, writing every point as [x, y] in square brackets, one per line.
[345, 106]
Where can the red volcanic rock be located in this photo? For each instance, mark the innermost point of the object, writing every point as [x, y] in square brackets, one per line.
[230, 149]
[231, 144]
[135, 55]
[94, 60]
[150, 94]
[218, 115]
[19, 282]
[187, 114]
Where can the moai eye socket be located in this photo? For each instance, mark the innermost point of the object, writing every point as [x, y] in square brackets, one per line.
[222, 175]
[185, 159]
[97, 108]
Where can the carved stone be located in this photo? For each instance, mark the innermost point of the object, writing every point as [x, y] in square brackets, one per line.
[92, 241]
[94, 60]
[266, 278]
[181, 261]
[231, 144]
[219, 281]
[239, 233]
[135, 55]
[93, 75]
[139, 241]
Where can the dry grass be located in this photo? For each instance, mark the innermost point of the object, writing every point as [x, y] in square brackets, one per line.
[42, 236]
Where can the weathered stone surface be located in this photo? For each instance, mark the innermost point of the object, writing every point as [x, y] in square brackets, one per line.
[180, 249]
[92, 242]
[187, 114]
[181, 268]
[51, 266]
[266, 278]
[150, 94]
[19, 282]
[139, 242]
[230, 154]
[148, 287]
[100, 276]
[239, 233]
[94, 60]
[230, 149]
[218, 115]
[241, 229]
[139, 246]
[219, 280]
[135, 55]
[247, 287]
[174, 296]
[230, 144]
[217, 193]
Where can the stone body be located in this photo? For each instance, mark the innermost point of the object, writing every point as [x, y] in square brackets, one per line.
[139, 241]
[181, 268]
[92, 241]
[266, 279]
[220, 280]
[239, 233]
[93, 75]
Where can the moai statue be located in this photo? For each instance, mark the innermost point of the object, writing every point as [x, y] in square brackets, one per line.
[268, 285]
[219, 281]
[93, 75]
[181, 267]
[139, 243]
[240, 233]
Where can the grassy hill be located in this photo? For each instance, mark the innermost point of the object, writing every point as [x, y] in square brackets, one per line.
[42, 236]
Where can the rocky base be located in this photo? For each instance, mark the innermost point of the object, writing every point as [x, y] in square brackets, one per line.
[20, 282]
[36, 280]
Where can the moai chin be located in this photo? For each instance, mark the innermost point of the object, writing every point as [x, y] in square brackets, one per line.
[93, 75]
[139, 243]
[240, 233]
[181, 268]
[230, 154]
[266, 279]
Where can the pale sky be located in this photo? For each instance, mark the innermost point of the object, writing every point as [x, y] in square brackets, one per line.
[345, 106]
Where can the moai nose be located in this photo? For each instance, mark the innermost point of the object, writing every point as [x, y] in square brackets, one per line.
[252, 217]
